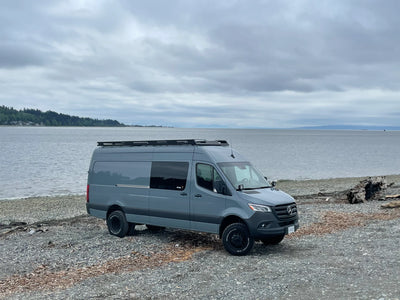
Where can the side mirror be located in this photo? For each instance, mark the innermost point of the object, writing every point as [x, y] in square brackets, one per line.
[273, 183]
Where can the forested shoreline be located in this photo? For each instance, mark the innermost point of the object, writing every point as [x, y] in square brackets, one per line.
[34, 117]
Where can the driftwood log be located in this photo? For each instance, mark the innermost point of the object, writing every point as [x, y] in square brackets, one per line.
[392, 196]
[392, 204]
[367, 189]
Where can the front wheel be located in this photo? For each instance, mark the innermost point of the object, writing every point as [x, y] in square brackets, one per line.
[274, 240]
[237, 240]
[117, 224]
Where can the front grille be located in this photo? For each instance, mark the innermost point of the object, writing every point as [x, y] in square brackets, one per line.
[286, 211]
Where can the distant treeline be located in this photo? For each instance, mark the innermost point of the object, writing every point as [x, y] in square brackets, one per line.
[35, 117]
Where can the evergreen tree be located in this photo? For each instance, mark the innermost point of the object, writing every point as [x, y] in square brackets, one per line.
[11, 116]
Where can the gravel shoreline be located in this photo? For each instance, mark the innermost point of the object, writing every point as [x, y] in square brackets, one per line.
[51, 248]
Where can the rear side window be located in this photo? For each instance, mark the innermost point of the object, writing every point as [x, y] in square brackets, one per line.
[121, 173]
[169, 175]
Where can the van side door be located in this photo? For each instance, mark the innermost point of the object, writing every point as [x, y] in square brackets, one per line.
[169, 194]
[208, 197]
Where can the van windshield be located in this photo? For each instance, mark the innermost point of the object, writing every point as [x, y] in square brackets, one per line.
[244, 176]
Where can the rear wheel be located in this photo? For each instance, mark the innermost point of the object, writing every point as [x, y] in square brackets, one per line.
[117, 224]
[236, 239]
[273, 240]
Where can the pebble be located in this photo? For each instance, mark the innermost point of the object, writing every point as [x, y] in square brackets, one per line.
[346, 264]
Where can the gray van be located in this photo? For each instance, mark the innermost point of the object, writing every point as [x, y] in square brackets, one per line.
[195, 185]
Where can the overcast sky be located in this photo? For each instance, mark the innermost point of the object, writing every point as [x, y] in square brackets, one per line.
[270, 64]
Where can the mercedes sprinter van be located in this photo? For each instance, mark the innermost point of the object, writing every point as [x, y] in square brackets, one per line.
[194, 185]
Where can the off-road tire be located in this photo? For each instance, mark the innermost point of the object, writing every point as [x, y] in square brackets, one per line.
[117, 224]
[237, 240]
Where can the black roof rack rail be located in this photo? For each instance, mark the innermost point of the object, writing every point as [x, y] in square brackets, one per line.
[164, 143]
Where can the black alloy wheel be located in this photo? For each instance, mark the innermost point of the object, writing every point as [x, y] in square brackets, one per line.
[237, 240]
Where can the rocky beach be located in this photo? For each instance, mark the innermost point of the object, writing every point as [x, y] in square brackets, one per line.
[52, 249]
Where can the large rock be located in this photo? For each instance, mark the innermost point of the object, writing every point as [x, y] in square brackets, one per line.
[367, 189]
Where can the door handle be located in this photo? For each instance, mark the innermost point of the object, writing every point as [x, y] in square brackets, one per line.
[183, 194]
[197, 195]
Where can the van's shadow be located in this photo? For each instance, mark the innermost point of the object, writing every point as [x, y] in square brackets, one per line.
[206, 241]
[182, 238]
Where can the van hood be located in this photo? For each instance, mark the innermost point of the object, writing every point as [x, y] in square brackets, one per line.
[267, 196]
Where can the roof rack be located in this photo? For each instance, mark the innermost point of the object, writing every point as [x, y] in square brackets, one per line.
[164, 143]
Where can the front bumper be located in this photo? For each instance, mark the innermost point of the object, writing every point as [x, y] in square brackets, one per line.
[263, 225]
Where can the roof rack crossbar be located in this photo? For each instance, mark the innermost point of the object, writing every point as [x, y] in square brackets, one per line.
[164, 143]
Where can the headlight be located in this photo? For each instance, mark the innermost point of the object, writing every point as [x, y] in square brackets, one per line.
[262, 208]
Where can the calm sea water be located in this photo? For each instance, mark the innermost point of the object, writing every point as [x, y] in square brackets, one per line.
[38, 161]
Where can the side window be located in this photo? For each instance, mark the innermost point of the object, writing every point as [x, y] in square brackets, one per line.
[204, 176]
[219, 184]
[117, 172]
[169, 175]
[207, 177]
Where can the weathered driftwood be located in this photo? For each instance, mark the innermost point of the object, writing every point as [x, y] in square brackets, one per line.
[392, 196]
[391, 204]
[367, 189]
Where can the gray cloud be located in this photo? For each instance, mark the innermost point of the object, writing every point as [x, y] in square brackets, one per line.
[191, 63]
[18, 56]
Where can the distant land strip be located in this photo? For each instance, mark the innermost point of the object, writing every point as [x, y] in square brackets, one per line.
[34, 117]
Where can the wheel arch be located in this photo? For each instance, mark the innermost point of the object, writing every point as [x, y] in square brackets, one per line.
[114, 208]
[229, 220]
